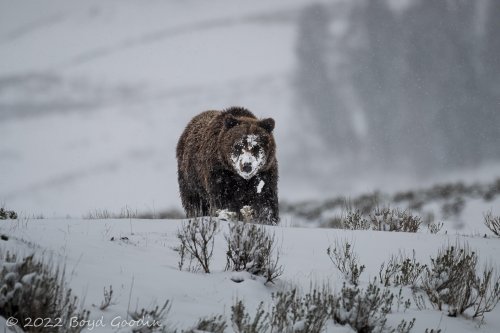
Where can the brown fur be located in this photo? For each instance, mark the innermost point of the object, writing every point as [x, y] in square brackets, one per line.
[207, 180]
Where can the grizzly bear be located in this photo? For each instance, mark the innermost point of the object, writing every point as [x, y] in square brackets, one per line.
[227, 161]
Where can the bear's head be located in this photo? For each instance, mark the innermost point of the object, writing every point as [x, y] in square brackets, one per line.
[247, 144]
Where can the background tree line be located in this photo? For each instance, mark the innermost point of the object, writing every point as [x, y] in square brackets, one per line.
[414, 86]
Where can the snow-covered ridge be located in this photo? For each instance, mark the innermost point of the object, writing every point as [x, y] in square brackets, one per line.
[137, 258]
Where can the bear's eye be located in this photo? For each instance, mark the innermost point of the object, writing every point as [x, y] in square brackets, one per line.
[238, 148]
[255, 150]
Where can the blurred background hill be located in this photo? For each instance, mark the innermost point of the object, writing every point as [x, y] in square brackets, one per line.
[367, 95]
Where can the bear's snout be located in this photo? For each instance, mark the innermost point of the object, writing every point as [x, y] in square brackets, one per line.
[246, 167]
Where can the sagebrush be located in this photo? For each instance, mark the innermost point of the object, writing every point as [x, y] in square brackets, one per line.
[196, 238]
[451, 283]
[386, 219]
[363, 310]
[252, 248]
[492, 222]
[7, 214]
[342, 255]
[33, 288]
[152, 319]
[401, 270]
[297, 313]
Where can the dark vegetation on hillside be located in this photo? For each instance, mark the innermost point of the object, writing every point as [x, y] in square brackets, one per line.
[7, 214]
[450, 197]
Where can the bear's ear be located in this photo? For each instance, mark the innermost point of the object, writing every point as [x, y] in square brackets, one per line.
[230, 122]
[267, 124]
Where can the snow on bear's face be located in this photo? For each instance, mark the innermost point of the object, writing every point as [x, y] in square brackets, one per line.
[247, 145]
[248, 156]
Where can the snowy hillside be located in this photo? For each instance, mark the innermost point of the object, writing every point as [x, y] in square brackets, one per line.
[137, 259]
[94, 95]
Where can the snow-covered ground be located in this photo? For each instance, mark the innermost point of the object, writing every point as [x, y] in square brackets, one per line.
[93, 98]
[143, 267]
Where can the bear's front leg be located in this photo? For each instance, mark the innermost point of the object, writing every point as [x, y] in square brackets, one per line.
[226, 191]
[266, 209]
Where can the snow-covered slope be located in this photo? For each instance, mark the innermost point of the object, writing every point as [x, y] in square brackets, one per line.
[142, 267]
[94, 95]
